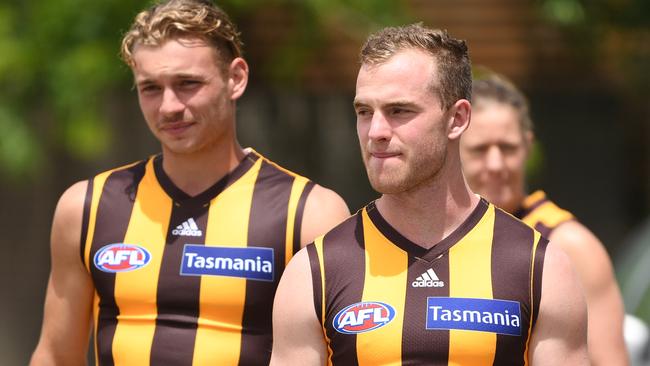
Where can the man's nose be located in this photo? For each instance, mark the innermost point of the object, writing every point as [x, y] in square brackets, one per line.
[494, 159]
[171, 104]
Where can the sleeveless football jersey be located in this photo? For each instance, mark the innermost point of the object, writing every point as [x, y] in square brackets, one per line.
[543, 215]
[472, 299]
[186, 280]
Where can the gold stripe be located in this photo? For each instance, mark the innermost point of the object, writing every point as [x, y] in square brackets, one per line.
[96, 319]
[222, 299]
[470, 276]
[133, 290]
[548, 214]
[318, 243]
[385, 268]
[296, 191]
[536, 238]
[98, 186]
[533, 197]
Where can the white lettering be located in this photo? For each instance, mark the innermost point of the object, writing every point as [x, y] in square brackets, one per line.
[474, 316]
[121, 255]
[379, 318]
[200, 262]
[194, 260]
[363, 315]
[239, 264]
[427, 283]
[134, 260]
[348, 319]
[514, 320]
[222, 263]
[190, 259]
[106, 257]
[487, 318]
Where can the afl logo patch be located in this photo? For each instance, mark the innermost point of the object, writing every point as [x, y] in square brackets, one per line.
[121, 257]
[363, 317]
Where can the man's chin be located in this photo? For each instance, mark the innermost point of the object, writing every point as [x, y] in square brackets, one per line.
[386, 186]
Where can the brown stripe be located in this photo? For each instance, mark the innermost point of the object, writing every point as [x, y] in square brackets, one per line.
[316, 280]
[537, 276]
[511, 253]
[418, 343]
[178, 296]
[84, 221]
[543, 229]
[113, 213]
[344, 261]
[267, 227]
[297, 225]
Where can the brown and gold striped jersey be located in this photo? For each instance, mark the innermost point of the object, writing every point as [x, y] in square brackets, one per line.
[541, 214]
[186, 280]
[472, 299]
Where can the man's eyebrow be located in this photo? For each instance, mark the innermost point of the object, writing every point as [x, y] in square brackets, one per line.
[143, 83]
[358, 103]
[399, 103]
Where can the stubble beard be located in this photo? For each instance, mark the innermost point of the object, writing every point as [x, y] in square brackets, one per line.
[408, 177]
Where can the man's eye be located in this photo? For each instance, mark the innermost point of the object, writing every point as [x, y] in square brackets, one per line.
[399, 111]
[363, 113]
[508, 149]
[189, 83]
[149, 89]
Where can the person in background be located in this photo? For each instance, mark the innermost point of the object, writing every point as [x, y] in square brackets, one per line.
[175, 259]
[494, 151]
[429, 273]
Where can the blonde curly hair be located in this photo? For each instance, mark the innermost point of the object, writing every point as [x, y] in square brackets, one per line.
[174, 19]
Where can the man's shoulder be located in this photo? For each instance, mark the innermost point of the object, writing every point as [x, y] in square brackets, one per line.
[347, 230]
[124, 167]
[506, 218]
[272, 165]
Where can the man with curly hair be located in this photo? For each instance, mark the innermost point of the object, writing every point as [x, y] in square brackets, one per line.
[175, 259]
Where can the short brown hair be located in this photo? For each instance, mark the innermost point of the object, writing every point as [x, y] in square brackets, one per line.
[491, 86]
[454, 65]
[183, 18]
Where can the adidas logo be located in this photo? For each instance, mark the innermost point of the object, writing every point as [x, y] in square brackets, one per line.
[187, 228]
[428, 279]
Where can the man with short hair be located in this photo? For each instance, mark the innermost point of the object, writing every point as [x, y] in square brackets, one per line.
[494, 151]
[429, 273]
[175, 259]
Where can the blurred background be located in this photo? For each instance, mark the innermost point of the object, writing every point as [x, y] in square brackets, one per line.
[68, 110]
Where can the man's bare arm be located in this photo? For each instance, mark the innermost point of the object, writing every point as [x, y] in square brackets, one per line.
[560, 333]
[604, 301]
[603, 296]
[324, 209]
[297, 335]
[67, 311]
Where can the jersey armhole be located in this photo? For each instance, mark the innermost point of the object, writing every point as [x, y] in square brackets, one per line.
[316, 279]
[85, 219]
[539, 253]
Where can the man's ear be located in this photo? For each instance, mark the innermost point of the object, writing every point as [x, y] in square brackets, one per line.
[237, 77]
[459, 116]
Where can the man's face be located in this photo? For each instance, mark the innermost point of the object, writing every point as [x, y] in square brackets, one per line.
[400, 122]
[184, 96]
[493, 153]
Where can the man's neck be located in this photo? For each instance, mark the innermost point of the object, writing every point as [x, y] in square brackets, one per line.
[194, 173]
[429, 213]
